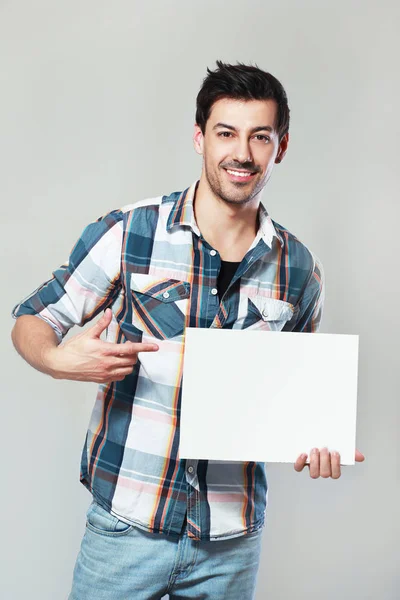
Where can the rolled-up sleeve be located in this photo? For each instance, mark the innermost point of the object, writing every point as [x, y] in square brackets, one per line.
[86, 284]
[312, 301]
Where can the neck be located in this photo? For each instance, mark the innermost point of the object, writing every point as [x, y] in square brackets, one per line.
[229, 228]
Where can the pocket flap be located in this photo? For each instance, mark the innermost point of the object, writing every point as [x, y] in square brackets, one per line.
[271, 309]
[166, 290]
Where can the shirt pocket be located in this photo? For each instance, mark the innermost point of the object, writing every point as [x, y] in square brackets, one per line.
[267, 313]
[159, 306]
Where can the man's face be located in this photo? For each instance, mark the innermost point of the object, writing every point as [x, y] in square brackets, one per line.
[239, 147]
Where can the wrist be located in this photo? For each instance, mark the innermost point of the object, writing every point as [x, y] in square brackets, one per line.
[50, 361]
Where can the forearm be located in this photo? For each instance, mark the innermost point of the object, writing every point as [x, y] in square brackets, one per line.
[34, 340]
[84, 357]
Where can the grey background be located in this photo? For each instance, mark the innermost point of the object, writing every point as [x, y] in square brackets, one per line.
[96, 111]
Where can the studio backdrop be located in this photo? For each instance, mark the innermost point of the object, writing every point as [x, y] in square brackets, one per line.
[97, 104]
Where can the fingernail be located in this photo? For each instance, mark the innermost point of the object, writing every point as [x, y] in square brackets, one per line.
[304, 456]
[314, 450]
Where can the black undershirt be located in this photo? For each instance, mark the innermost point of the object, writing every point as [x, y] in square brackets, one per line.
[228, 269]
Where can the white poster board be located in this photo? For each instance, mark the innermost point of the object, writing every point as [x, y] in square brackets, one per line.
[268, 396]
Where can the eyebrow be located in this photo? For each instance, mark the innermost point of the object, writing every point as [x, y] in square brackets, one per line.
[254, 130]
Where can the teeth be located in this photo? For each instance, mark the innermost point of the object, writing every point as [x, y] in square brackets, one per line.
[239, 173]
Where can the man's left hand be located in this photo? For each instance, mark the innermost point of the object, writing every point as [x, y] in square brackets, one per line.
[323, 463]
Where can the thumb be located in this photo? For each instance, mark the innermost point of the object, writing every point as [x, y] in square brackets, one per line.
[101, 324]
[359, 456]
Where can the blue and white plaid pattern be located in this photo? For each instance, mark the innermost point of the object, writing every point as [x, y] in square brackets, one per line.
[149, 263]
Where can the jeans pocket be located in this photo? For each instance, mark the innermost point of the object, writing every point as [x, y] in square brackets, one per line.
[99, 520]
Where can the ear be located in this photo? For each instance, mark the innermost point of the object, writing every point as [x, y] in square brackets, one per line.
[282, 148]
[198, 139]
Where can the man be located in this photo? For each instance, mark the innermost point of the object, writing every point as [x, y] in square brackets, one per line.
[207, 257]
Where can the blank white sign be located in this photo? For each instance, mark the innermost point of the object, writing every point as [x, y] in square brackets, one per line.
[268, 396]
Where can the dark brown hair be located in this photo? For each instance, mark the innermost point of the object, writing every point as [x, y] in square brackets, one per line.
[241, 82]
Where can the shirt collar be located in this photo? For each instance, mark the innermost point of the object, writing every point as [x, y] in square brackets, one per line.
[182, 214]
[267, 230]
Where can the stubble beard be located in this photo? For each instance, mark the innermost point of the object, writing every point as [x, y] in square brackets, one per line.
[237, 198]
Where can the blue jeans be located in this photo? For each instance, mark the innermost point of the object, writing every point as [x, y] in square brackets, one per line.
[122, 562]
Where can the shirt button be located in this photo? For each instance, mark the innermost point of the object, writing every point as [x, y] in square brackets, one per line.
[166, 295]
[214, 291]
[190, 469]
[213, 252]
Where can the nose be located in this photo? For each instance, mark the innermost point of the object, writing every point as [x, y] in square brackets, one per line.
[243, 151]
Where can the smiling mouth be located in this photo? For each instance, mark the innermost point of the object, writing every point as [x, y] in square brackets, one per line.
[238, 175]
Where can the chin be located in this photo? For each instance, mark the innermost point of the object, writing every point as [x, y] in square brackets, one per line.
[233, 193]
[235, 200]
[238, 195]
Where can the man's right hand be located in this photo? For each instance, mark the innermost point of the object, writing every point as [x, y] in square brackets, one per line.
[85, 357]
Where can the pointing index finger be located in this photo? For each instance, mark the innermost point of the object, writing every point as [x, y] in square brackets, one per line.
[130, 348]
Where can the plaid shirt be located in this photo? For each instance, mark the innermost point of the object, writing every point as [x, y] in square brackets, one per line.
[150, 264]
